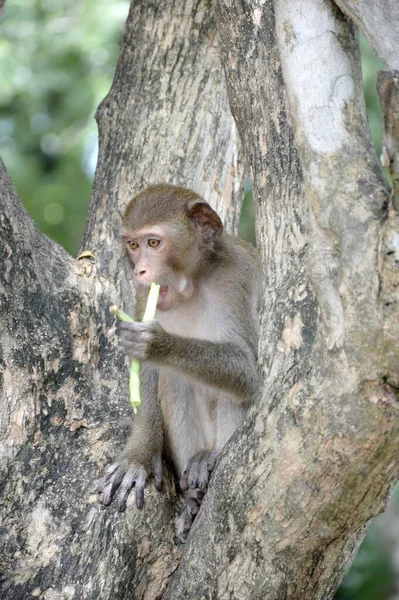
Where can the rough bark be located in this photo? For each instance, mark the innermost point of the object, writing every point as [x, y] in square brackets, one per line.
[379, 23]
[316, 457]
[64, 409]
[319, 453]
[388, 91]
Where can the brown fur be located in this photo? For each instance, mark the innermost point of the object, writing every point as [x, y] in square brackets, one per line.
[201, 352]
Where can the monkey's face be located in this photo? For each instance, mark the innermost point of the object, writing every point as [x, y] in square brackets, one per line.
[161, 255]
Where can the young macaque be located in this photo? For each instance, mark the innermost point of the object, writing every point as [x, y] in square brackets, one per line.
[199, 357]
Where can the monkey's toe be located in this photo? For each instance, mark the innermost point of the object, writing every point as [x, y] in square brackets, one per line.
[183, 524]
[197, 473]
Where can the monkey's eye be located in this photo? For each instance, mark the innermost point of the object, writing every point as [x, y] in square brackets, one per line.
[153, 243]
[133, 245]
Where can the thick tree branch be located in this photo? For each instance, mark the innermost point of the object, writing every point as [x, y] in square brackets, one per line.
[31, 263]
[321, 68]
[319, 455]
[61, 377]
[379, 23]
[389, 99]
[66, 411]
[315, 459]
[166, 118]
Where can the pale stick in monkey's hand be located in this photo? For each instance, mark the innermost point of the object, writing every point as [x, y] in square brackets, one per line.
[149, 315]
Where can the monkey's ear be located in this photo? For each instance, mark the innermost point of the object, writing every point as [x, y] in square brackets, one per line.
[206, 219]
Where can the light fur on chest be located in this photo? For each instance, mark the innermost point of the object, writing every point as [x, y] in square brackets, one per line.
[202, 318]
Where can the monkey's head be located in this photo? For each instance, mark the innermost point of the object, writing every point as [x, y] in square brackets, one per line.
[169, 233]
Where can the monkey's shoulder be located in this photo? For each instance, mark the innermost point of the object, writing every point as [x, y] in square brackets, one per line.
[245, 247]
[239, 265]
[238, 254]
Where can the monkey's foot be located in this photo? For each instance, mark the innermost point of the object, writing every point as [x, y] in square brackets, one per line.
[194, 481]
[199, 469]
[193, 502]
[121, 477]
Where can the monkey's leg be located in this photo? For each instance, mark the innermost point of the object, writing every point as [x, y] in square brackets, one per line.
[142, 455]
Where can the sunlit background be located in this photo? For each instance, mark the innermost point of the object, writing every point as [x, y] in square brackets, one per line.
[57, 60]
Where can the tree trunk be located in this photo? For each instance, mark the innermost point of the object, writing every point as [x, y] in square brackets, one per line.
[316, 457]
[65, 409]
[379, 23]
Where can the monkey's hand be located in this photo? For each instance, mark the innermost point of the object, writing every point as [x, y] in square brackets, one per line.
[121, 476]
[141, 340]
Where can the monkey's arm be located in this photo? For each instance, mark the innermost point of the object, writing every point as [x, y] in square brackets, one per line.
[226, 365]
[141, 456]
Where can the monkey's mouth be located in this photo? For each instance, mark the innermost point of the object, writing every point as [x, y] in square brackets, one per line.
[163, 291]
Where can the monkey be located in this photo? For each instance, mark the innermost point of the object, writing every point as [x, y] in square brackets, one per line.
[199, 371]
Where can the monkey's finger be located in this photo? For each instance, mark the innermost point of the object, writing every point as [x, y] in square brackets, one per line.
[203, 475]
[198, 495]
[211, 459]
[181, 533]
[133, 477]
[137, 331]
[131, 331]
[204, 468]
[104, 480]
[140, 496]
[193, 481]
[129, 337]
[128, 326]
[111, 486]
[198, 474]
[128, 482]
[135, 348]
[141, 480]
[183, 525]
[192, 506]
[137, 325]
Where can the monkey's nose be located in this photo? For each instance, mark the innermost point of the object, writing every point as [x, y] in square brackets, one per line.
[141, 273]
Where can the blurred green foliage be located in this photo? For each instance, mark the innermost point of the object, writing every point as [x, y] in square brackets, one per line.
[370, 66]
[371, 576]
[246, 229]
[57, 61]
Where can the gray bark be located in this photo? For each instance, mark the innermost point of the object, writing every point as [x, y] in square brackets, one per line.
[379, 23]
[388, 91]
[316, 462]
[315, 459]
[65, 410]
